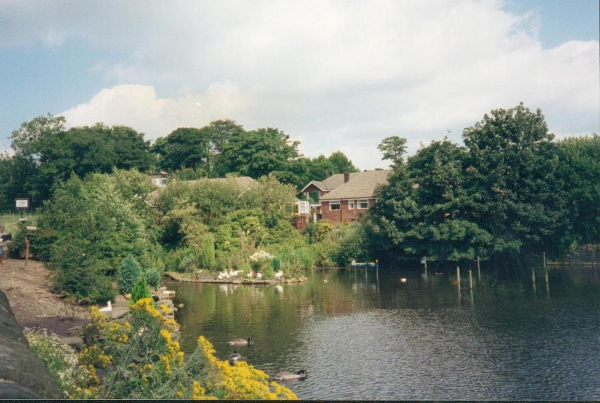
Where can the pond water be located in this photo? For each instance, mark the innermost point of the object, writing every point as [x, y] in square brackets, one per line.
[367, 335]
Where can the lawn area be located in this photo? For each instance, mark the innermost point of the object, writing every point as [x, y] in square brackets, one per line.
[10, 221]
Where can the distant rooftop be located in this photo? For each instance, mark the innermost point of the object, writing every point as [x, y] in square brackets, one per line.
[361, 185]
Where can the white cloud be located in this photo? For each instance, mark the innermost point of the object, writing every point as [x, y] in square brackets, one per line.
[139, 106]
[337, 74]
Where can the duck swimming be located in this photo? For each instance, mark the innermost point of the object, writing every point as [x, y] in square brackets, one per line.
[240, 342]
[288, 376]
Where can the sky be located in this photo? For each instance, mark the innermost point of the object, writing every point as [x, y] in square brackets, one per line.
[335, 75]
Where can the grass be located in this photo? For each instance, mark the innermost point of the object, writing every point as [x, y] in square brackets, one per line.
[10, 221]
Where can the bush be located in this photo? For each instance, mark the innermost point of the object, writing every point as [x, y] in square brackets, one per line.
[206, 257]
[276, 264]
[140, 290]
[128, 274]
[80, 275]
[60, 360]
[154, 276]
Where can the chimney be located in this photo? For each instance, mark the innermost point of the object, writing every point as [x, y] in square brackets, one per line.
[346, 177]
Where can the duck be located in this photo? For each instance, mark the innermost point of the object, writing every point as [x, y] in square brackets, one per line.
[278, 275]
[258, 276]
[250, 275]
[234, 357]
[288, 376]
[240, 342]
[107, 308]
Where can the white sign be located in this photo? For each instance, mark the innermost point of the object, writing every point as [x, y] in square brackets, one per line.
[22, 203]
[423, 261]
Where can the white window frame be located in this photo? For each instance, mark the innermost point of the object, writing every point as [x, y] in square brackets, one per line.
[303, 207]
[335, 202]
[351, 206]
[361, 201]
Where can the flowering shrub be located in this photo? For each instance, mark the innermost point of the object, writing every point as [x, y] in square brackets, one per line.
[260, 255]
[60, 360]
[142, 360]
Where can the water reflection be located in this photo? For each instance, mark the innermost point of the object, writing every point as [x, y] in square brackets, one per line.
[365, 334]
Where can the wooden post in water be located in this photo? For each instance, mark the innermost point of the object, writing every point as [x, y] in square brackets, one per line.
[533, 281]
[425, 259]
[478, 269]
[458, 276]
[544, 259]
[547, 282]
[470, 280]
[26, 251]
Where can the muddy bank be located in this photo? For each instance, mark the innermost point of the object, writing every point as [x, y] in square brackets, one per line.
[28, 291]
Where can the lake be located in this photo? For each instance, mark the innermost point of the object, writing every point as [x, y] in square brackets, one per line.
[364, 334]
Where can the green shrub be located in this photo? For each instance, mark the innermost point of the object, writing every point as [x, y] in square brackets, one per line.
[140, 290]
[276, 264]
[80, 275]
[128, 274]
[267, 271]
[60, 360]
[154, 276]
[206, 257]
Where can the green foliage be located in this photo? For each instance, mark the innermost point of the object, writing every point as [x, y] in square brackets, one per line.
[140, 290]
[154, 277]
[206, 257]
[79, 274]
[393, 149]
[276, 264]
[505, 192]
[129, 273]
[60, 360]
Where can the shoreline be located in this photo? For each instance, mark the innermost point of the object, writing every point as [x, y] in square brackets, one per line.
[193, 278]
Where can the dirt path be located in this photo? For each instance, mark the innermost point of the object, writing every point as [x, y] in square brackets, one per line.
[28, 291]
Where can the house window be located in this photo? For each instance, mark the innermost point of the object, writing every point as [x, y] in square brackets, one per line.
[363, 204]
[334, 205]
[350, 204]
[303, 207]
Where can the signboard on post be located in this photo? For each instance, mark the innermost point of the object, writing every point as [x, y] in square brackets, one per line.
[22, 203]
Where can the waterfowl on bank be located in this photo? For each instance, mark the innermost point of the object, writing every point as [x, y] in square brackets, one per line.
[234, 357]
[288, 376]
[240, 342]
[258, 276]
[278, 275]
[107, 308]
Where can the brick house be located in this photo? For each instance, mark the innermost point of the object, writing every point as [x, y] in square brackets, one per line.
[343, 197]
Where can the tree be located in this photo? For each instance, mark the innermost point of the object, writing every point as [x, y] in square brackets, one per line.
[185, 147]
[393, 149]
[257, 153]
[512, 165]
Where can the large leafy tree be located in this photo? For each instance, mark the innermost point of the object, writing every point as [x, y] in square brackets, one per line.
[257, 153]
[512, 164]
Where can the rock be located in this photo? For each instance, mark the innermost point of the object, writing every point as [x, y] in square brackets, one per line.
[162, 288]
[127, 296]
[22, 375]
[174, 309]
[85, 301]
[73, 341]
[155, 298]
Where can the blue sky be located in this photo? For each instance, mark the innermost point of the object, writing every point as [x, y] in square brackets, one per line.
[334, 75]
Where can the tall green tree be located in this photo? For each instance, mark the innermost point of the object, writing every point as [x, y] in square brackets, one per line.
[393, 149]
[257, 153]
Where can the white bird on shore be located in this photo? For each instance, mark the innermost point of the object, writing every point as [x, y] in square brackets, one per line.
[107, 308]
[258, 276]
[250, 275]
[278, 275]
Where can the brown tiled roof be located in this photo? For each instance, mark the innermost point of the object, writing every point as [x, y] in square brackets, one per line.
[331, 183]
[360, 186]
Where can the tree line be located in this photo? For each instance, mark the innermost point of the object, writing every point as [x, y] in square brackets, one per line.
[45, 154]
[509, 191]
